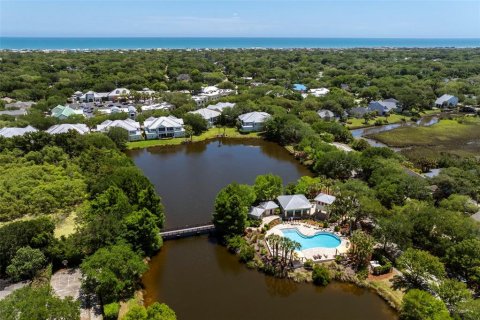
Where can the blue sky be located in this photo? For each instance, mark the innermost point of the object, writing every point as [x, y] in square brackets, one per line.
[250, 18]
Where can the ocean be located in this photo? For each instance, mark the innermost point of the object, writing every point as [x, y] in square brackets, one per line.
[28, 43]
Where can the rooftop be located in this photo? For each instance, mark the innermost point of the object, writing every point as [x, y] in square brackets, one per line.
[293, 202]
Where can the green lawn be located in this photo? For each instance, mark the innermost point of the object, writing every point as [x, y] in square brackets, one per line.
[210, 134]
[354, 123]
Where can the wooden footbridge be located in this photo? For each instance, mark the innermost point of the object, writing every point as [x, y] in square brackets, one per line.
[187, 231]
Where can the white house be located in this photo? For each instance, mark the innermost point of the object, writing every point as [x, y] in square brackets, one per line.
[263, 209]
[12, 132]
[210, 115]
[383, 106]
[446, 101]
[322, 201]
[163, 127]
[211, 93]
[318, 92]
[81, 128]
[118, 93]
[158, 106]
[132, 127]
[253, 121]
[294, 206]
[220, 106]
[326, 114]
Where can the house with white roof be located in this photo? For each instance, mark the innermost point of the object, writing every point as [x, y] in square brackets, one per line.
[326, 114]
[158, 106]
[118, 94]
[81, 128]
[210, 115]
[383, 106]
[264, 209]
[220, 106]
[14, 131]
[446, 101]
[318, 92]
[164, 127]
[131, 126]
[322, 201]
[209, 94]
[253, 121]
[294, 206]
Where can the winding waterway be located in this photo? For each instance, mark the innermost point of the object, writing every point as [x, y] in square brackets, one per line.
[197, 277]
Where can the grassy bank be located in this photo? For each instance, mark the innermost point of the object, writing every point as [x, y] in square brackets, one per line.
[209, 134]
[355, 123]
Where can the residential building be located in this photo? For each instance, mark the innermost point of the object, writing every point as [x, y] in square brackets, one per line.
[13, 132]
[326, 114]
[209, 94]
[210, 115]
[63, 112]
[220, 106]
[294, 206]
[132, 127]
[264, 209]
[158, 106]
[253, 121]
[118, 94]
[14, 113]
[383, 106]
[65, 127]
[318, 92]
[163, 127]
[132, 112]
[358, 112]
[446, 101]
[19, 105]
[299, 87]
[322, 201]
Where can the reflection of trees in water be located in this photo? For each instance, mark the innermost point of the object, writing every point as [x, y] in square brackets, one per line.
[349, 288]
[280, 287]
[226, 261]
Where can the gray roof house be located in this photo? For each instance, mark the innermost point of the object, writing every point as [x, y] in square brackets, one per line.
[358, 112]
[323, 200]
[383, 106]
[446, 101]
[65, 127]
[326, 114]
[294, 206]
[12, 132]
[263, 209]
[163, 127]
[14, 113]
[253, 121]
[220, 106]
[210, 115]
[133, 128]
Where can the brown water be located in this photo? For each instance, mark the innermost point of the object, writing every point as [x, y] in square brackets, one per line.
[188, 177]
[197, 277]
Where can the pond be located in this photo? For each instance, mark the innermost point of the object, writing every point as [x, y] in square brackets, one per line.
[200, 279]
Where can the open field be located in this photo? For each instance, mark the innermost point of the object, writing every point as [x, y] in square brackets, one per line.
[210, 134]
[459, 137]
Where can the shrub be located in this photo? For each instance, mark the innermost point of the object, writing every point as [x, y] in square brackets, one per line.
[26, 263]
[308, 264]
[247, 253]
[337, 228]
[362, 274]
[110, 311]
[321, 275]
[235, 243]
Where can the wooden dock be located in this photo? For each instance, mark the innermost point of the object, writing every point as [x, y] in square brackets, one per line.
[187, 231]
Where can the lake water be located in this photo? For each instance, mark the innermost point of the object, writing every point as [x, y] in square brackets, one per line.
[188, 177]
[200, 279]
[231, 43]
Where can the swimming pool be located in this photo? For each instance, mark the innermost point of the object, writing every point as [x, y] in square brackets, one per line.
[321, 239]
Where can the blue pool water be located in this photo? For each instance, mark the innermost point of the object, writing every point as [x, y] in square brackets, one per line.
[322, 239]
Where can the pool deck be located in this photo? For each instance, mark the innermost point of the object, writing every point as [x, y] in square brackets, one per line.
[318, 254]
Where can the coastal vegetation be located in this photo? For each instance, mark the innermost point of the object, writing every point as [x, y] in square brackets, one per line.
[418, 228]
[118, 218]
